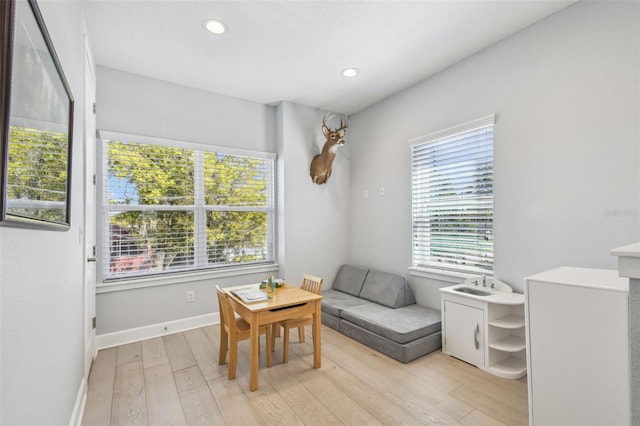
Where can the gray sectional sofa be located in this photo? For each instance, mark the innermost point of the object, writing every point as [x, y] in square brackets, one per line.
[378, 309]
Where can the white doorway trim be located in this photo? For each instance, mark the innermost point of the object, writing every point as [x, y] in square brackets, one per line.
[89, 160]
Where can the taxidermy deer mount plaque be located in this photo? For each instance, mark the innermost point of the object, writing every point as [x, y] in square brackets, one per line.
[320, 169]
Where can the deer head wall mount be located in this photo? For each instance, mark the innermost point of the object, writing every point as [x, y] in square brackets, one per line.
[320, 169]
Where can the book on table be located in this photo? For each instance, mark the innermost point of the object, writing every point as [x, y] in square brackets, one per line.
[250, 294]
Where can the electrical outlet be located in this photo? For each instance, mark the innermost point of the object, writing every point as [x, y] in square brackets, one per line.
[365, 194]
[191, 296]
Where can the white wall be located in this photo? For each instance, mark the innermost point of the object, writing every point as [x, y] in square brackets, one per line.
[313, 219]
[565, 92]
[41, 283]
[145, 106]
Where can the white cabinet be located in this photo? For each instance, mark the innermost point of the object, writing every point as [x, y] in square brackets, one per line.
[577, 340]
[464, 332]
[486, 329]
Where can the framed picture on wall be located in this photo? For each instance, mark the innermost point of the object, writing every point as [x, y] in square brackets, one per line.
[36, 122]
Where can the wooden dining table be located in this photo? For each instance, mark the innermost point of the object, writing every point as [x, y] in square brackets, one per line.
[285, 302]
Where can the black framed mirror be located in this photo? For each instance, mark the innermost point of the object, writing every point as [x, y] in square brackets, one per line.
[36, 117]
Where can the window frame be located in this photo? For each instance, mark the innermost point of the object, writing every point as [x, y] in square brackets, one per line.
[431, 268]
[197, 271]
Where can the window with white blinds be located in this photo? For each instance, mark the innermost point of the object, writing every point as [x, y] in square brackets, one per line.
[174, 208]
[452, 198]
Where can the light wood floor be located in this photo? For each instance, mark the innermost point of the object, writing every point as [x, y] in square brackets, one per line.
[176, 379]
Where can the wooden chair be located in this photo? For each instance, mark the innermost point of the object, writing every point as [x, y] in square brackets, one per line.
[236, 329]
[309, 283]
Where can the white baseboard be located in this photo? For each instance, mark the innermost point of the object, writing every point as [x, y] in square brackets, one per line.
[117, 338]
[78, 408]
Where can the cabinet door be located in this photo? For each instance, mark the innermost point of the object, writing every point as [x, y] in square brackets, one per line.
[464, 335]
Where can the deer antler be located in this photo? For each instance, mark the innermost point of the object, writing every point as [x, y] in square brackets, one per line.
[344, 122]
[327, 116]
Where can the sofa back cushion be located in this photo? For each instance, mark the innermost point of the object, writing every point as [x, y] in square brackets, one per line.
[387, 289]
[349, 279]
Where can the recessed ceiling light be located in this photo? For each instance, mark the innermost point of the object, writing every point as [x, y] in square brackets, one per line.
[350, 72]
[214, 26]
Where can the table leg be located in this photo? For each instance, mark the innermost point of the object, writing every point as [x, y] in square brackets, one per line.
[253, 354]
[317, 351]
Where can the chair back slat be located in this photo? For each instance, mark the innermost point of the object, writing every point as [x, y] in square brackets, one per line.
[311, 283]
[227, 317]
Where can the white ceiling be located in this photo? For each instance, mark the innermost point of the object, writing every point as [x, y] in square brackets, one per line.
[294, 50]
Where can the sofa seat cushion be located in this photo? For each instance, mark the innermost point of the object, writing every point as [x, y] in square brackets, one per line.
[405, 352]
[349, 279]
[387, 289]
[333, 302]
[400, 325]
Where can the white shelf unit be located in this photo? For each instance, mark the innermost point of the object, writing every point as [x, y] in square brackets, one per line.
[506, 355]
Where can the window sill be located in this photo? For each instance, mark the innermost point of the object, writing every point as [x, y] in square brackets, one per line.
[441, 274]
[108, 287]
